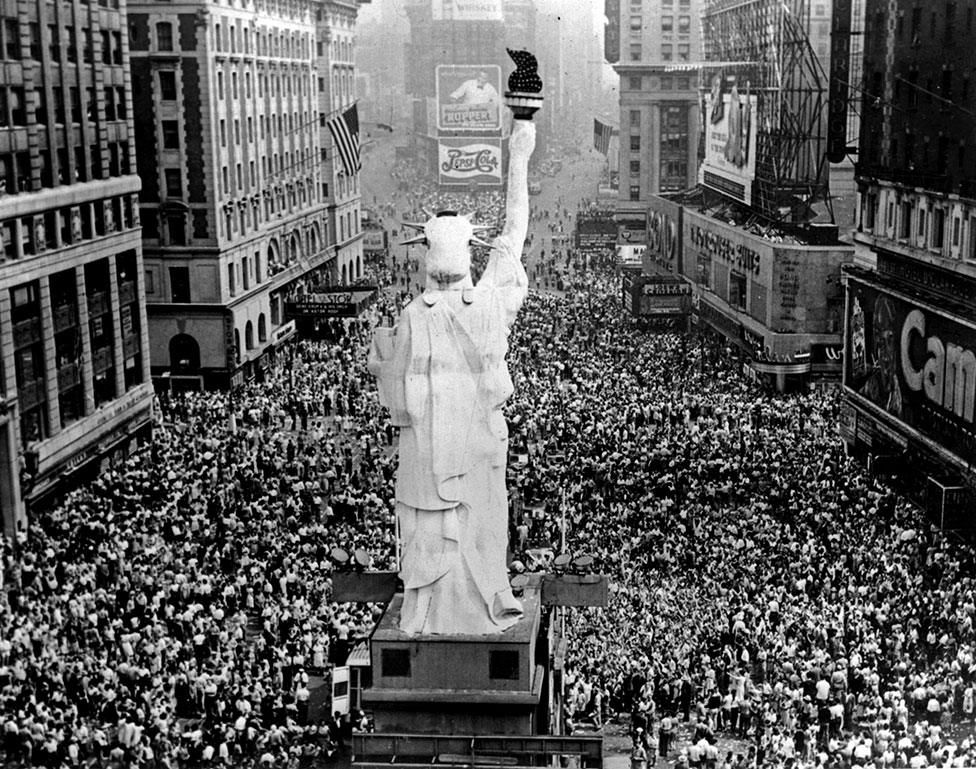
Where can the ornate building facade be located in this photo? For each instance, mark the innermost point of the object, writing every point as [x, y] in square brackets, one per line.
[235, 215]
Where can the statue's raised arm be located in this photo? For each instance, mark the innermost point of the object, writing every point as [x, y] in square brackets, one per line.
[520, 146]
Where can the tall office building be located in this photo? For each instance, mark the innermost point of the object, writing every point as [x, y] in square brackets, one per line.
[655, 48]
[234, 213]
[910, 350]
[75, 377]
[336, 46]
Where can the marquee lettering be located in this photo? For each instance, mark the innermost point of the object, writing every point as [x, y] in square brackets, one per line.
[715, 245]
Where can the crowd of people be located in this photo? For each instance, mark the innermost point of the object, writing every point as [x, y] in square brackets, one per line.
[178, 611]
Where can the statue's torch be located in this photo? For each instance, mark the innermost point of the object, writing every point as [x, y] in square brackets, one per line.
[524, 94]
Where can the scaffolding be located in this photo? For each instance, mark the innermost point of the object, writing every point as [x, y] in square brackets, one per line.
[764, 45]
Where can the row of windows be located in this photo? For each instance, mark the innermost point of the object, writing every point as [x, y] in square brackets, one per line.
[17, 174]
[277, 85]
[667, 52]
[13, 105]
[285, 125]
[952, 23]
[636, 83]
[58, 228]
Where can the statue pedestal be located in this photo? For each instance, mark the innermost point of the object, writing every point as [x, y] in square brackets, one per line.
[459, 684]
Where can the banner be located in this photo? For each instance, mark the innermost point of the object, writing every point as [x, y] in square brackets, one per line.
[467, 10]
[469, 161]
[468, 97]
[729, 166]
[840, 75]
[916, 364]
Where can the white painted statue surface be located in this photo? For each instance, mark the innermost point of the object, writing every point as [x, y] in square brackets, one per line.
[442, 374]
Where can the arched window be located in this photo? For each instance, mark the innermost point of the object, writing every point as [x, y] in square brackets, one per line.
[359, 266]
[249, 335]
[296, 249]
[237, 345]
[275, 311]
[184, 353]
[262, 328]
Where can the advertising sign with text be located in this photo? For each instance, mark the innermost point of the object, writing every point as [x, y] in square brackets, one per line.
[468, 97]
[663, 234]
[470, 161]
[467, 10]
[916, 364]
[729, 166]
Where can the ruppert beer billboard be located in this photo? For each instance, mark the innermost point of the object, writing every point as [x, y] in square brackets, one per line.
[469, 97]
[914, 363]
[469, 161]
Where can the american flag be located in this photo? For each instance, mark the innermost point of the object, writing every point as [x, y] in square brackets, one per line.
[601, 136]
[345, 133]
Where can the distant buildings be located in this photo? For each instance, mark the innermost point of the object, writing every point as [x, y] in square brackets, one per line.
[75, 370]
[910, 347]
[655, 46]
[746, 230]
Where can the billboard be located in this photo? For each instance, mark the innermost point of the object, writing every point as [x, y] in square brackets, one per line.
[663, 234]
[469, 161]
[655, 295]
[468, 97]
[595, 234]
[914, 363]
[467, 10]
[729, 166]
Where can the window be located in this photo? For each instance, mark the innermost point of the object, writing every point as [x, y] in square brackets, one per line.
[684, 51]
[11, 39]
[171, 134]
[223, 132]
[635, 192]
[922, 221]
[167, 85]
[635, 52]
[905, 227]
[635, 168]
[938, 228]
[667, 52]
[636, 22]
[220, 85]
[164, 36]
[635, 144]
[395, 663]
[666, 83]
[179, 284]
[503, 664]
[174, 183]
[684, 25]
[635, 117]
[667, 24]
[634, 82]
[737, 290]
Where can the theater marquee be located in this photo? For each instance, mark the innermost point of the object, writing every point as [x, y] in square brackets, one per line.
[915, 363]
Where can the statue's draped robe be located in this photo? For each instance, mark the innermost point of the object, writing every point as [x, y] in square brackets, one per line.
[443, 377]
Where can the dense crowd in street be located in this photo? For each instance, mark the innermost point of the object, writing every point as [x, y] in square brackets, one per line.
[177, 611]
